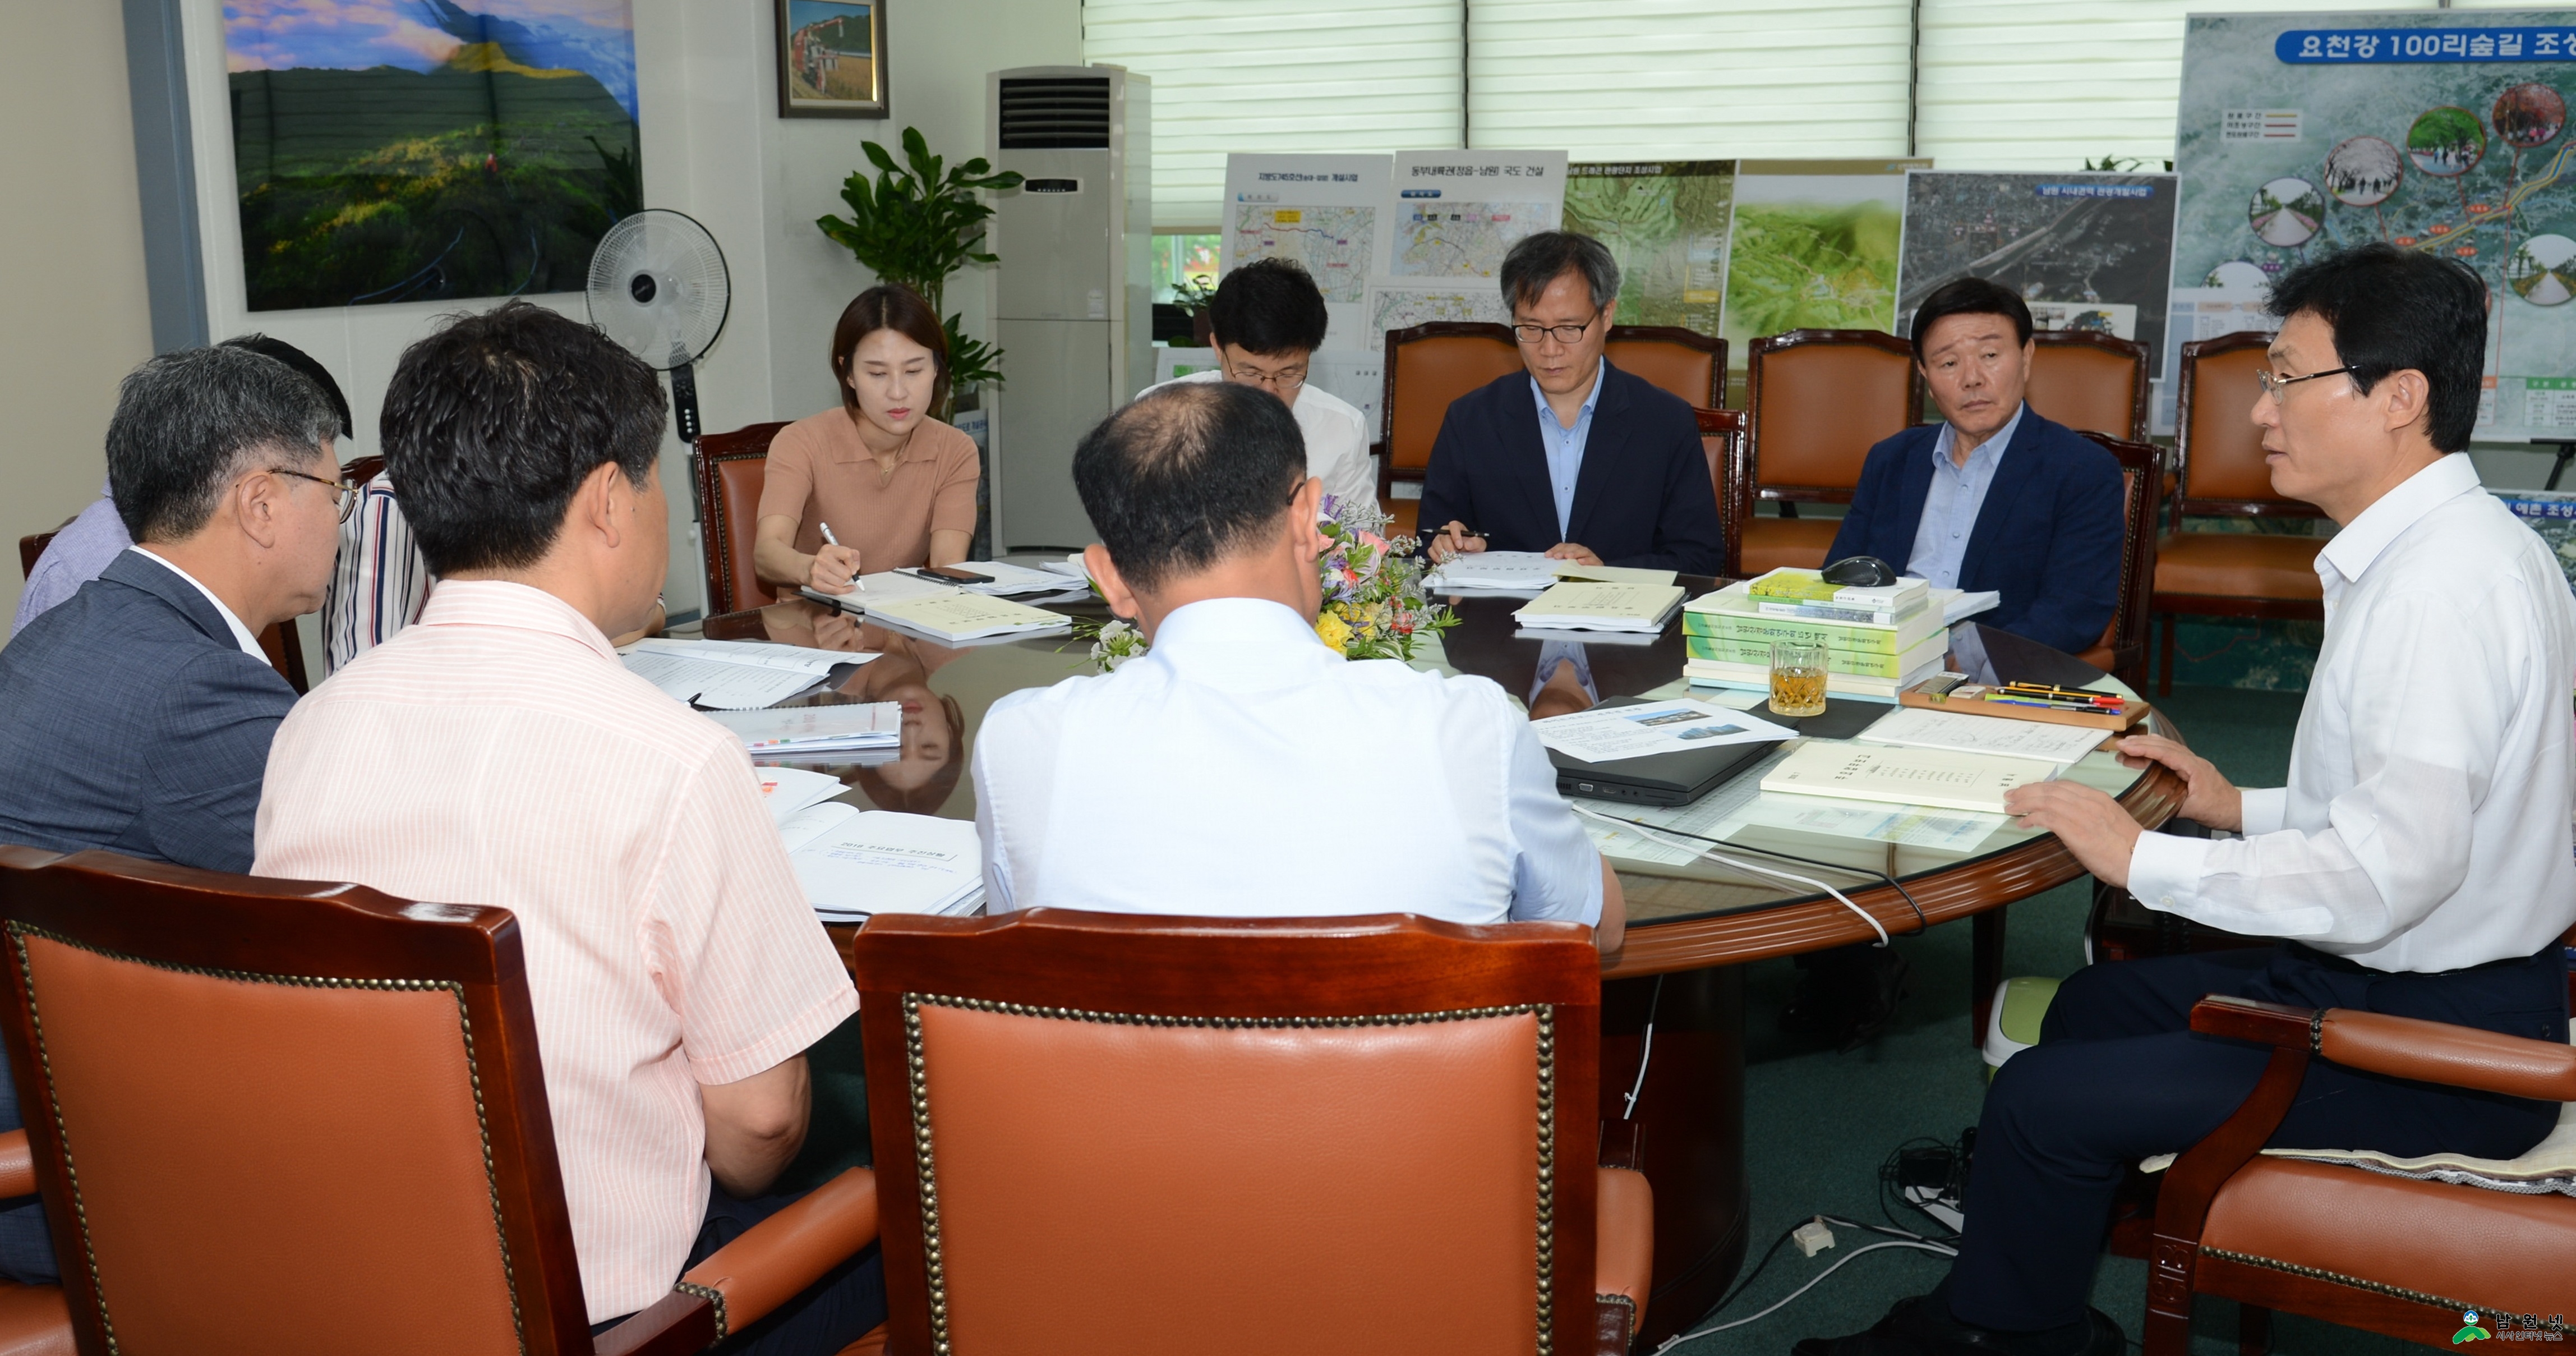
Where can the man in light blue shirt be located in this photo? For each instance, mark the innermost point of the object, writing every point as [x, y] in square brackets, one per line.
[1950, 507]
[79, 553]
[1564, 444]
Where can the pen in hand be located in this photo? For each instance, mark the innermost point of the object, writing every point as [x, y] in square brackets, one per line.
[830, 540]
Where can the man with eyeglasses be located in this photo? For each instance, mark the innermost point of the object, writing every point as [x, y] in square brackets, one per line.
[1574, 457]
[137, 715]
[2418, 863]
[1267, 319]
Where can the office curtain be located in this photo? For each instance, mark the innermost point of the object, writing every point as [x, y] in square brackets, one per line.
[1705, 79]
[1279, 76]
[2050, 84]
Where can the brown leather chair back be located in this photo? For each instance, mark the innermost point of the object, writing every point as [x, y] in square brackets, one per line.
[1357, 1135]
[1685, 362]
[2223, 471]
[1721, 437]
[732, 467]
[2123, 648]
[31, 548]
[1820, 399]
[2093, 383]
[274, 1115]
[1427, 366]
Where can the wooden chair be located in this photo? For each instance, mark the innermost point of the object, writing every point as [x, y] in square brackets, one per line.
[2389, 1254]
[731, 468]
[1819, 400]
[1685, 362]
[1730, 462]
[1427, 366]
[309, 1117]
[2223, 474]
[362, 470]
[1258, 1136]
[279, 641]
[2090, 382]
[2123, 648]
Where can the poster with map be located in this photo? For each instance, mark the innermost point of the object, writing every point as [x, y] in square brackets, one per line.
[2087, 251]
[2441, 131]
[1401, 303]
[1814, 245]
[1455, 214]
[1666, 223]
[1319, 210]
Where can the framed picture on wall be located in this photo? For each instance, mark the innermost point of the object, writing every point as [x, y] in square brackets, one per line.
[831, 59]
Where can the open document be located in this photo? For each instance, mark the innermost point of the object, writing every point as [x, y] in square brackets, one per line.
[732, 675]
[1608, 733]
[854, 862]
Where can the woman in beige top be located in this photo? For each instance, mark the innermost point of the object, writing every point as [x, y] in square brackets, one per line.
[894, 487]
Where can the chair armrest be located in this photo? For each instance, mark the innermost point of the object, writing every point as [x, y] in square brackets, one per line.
[1623, 1255]
[17, 1166]
[751, 1276]
[2402, 1047]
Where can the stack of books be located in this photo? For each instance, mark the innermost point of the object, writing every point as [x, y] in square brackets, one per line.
[1878, 641]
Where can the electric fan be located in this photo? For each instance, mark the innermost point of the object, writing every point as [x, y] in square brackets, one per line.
[658, 286]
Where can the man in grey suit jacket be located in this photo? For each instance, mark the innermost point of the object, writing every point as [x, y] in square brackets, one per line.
[136, 716]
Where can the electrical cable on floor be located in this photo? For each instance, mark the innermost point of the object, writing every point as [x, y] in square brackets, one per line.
[1647, 1055]
[1856, 1254]
[1921, 923]
[1664, 835]
[1773, 1251]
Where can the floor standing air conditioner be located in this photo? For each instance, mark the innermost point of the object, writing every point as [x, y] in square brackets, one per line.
[1073, 305]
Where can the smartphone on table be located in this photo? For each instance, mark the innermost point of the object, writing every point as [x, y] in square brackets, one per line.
[949, 574]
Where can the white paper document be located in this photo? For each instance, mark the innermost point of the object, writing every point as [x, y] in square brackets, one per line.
[1010, 579]
[731, 675]
[808, 730]
[889, 587]
[1071, 567]
[1530, 570]
[855, 862]
[1608, 733]
[1947, 830]
[786, 790]
[1916, 727]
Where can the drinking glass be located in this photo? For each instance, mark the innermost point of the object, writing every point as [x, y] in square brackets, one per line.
[1797, 679]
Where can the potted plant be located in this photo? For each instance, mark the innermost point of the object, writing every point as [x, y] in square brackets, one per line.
[1192, 298]
[917, 224]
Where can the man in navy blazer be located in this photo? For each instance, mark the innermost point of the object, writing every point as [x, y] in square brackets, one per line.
[1576, 458]
[1995, 497]
[136, 715]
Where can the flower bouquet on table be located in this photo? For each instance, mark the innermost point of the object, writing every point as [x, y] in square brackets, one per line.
[1374, 605]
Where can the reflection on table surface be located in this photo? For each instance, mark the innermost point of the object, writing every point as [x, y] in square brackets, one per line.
[1848, 845]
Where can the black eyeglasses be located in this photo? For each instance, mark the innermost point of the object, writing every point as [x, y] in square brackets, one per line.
[2272, 385]
[1565, 334]
[348, 493]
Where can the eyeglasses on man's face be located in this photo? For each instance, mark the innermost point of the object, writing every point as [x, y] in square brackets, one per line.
[2273, 383]
[1285, 381]
[1563, 334]
[348, 493]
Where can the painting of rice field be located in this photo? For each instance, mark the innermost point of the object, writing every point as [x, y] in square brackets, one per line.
[422, 150]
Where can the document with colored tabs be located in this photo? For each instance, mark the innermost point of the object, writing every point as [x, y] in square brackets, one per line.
[964, 616]
[803, 732]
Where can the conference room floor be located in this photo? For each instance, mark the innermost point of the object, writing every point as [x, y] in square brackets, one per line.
[1819, 1123]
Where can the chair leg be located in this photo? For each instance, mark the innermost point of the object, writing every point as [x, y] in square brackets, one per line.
[1985, 969]
[2253, 1330]
[2166, 1334]
[2165, 665]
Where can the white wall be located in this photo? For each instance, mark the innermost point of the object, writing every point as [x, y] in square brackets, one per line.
[713, 147]
[77, 315]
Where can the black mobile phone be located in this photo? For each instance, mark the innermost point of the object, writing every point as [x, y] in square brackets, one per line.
[949, 574]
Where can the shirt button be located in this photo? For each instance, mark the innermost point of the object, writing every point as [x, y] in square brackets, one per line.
[2166, 900]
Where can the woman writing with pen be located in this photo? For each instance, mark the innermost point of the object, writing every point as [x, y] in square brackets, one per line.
[877, 484]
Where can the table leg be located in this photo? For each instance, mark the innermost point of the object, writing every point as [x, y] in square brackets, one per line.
[1985, 969]
[1689, 1129]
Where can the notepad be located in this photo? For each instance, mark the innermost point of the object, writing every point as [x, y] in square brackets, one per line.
[854, 863]
[1945, 780]
[964, 616]
[1602, 607]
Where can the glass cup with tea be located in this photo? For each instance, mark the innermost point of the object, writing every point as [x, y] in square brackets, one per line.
[1797, 679]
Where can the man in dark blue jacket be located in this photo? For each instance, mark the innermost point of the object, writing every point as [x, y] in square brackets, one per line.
[1993, 498]
[136, 715]
[1577, 458]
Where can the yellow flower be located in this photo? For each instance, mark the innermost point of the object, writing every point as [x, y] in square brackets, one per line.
[1333, 631]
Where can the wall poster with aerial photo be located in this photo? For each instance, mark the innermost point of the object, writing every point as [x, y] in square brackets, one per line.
[419, 150]
[2441, 131]
[1813, 245]
[1666, 224]
[2087, 251]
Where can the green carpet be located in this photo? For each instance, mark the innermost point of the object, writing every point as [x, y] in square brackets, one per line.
[1818, 1124]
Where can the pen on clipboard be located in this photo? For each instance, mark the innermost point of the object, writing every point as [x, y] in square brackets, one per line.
[855, 580]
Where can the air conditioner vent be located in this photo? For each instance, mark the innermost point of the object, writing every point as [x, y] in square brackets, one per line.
[1059, 114]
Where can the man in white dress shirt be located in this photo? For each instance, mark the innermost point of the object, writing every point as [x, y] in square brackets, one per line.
[1267, 320]
[1238, 769]
[2418, 862]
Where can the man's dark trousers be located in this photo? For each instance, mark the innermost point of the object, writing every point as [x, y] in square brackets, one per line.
[2118, 1076]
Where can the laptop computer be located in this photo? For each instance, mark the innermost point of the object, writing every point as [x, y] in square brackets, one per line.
[1659, 778]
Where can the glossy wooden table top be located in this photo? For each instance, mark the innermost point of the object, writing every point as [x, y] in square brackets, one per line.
[1681, 916]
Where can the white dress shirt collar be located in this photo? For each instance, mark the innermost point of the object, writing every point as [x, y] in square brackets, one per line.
[2363, 539]
[241, 634]
[1249, 644]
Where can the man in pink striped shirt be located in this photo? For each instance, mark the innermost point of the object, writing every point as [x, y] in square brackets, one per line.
[496, 752]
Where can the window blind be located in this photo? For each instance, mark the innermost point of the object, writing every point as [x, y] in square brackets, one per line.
[1279, 76]
[2050, 84]
[1706, 79]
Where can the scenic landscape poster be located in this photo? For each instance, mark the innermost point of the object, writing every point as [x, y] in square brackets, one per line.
[421, 150]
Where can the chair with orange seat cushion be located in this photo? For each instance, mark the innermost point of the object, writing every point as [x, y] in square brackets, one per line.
[2090, 381]
[1109, 1135]
[2223, 474]
[1681, 361]
[280, 1116]
[2399, 1255]
[1820, 399]
[731, 469]
[1427, 366]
